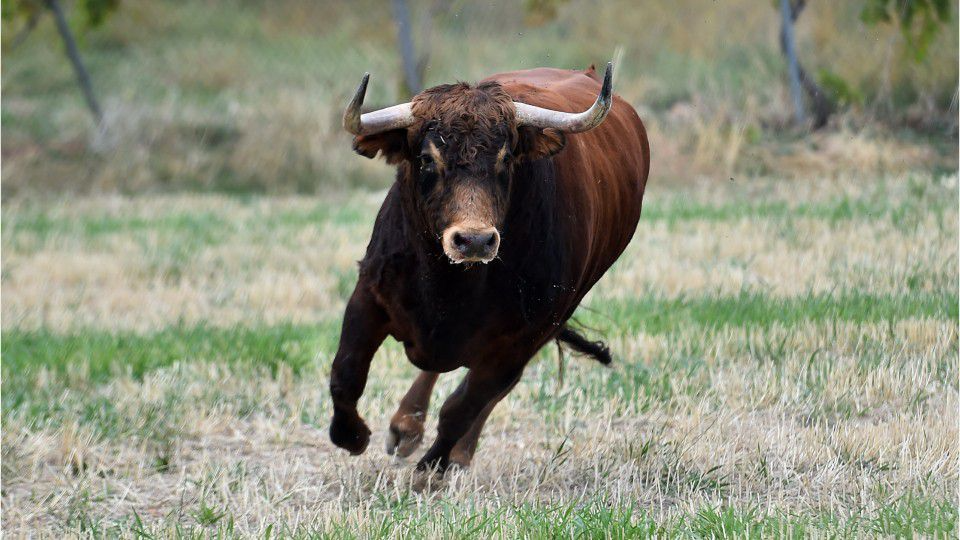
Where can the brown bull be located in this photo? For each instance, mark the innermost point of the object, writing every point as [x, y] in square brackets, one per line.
[506, 210]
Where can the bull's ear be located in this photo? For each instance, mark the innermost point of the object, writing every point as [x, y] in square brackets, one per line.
[536, 143]
[392, 145]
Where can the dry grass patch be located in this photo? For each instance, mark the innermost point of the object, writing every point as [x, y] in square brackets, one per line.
[785, 364]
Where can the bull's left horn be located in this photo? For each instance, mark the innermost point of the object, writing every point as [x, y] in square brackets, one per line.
[531, 115]
[395, 117]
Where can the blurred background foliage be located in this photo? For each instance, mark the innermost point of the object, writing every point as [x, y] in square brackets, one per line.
[246, 95]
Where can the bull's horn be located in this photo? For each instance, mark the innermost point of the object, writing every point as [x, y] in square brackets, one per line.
[395, 117]
[530, 115]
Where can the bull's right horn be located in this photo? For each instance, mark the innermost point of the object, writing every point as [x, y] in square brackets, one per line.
[395, 117]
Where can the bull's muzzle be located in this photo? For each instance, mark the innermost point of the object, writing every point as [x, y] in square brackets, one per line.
[471, 244]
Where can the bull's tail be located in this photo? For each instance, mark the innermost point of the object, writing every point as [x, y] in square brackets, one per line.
[597, 350]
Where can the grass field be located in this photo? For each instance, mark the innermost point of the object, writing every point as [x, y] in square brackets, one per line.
[786, 363]
[786, 341]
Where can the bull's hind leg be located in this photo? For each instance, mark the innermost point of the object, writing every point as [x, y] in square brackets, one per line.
[462, 453]
[406, 426]
[480, 388]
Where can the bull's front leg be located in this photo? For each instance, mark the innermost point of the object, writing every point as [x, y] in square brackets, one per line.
[364, 329]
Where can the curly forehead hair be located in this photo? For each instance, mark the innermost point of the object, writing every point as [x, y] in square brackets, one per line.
[473, 119]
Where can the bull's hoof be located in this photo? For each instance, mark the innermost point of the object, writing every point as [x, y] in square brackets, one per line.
[348, 433]
[426, 481]
[405, 435]
[460, 460]
[437, 464]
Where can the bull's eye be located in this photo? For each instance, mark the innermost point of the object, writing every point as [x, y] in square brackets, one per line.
[426, 162]
[428, 173]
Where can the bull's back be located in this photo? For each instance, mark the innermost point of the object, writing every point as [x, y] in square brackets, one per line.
[601, 174]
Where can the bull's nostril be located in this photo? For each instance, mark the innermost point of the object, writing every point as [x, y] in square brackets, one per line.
[472, 244]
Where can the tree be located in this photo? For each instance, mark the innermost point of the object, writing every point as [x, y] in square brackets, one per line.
[919, 22]
[95, 12]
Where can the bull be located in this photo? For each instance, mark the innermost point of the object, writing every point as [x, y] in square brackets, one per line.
[508, 206]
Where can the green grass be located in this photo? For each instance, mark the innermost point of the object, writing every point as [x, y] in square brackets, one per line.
[591, 518]
[42, 225]
[37, 223]
[927, 196]
[98, 356]
[210, 225]
[904, 518]
[654, 314]
[81, 361]
[843, 209]
[102, 354]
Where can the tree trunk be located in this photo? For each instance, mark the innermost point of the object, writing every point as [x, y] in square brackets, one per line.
[408, 55]
[821, 104]
[24, 32]
[793, 65]
[74, 54]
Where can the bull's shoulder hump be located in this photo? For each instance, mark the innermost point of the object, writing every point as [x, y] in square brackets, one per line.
[542, 78]
[559, 89]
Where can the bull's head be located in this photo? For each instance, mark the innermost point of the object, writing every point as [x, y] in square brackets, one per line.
[457, 147]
